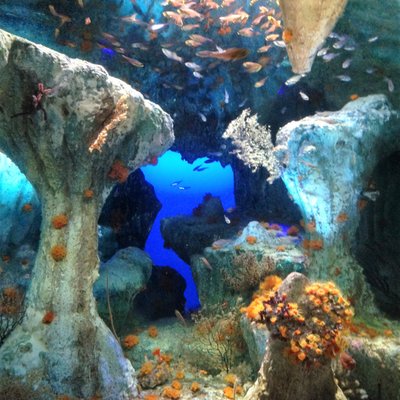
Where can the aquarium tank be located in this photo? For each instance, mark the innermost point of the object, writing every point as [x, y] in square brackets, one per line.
[199, 199]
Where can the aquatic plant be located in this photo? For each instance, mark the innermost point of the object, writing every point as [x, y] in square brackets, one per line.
[217, 340]
[313, 328]
[247, 272]
[252, 143]
[12, 311]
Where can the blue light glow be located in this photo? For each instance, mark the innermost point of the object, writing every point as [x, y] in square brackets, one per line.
[171, 168]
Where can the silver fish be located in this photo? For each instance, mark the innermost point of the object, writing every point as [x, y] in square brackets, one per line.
[176, 183]
[322, 51]
[346, 63]
[304, 96]
[390, 84]
[371, 194]
[349, 48]
[279, 43]
[227, 220]
[293, 80]
[202, 117]
[329, 56]
[172, 55]
[206, 263]
[193, 66]
[226, 97]
[197, 75]
[373, 39]
[343, 78]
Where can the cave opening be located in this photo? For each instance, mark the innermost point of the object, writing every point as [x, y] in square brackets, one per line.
[378, 235]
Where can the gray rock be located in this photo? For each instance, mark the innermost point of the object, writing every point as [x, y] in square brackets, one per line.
[127, 273]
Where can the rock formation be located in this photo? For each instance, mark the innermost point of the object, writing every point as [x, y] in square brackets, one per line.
[73, 131]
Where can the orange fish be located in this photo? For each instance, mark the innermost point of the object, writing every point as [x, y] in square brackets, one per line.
[231, 54]
[252, 67]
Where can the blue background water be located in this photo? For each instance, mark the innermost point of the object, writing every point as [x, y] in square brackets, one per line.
[216, 179]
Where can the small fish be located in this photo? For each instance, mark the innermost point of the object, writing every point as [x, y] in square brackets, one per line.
[322, 51]
[373, 39]
[370, 70]
[176, 183]
[263, 49]
[190, 27]
[215, 153]
[180, 317]
[157, 27]
[243, 102]
[293, 80]
[390, 84]
[193, 66]
[252, 67]
[343, 78]
[371, 194]
[329, 56]
[272, 37]
[349, 48]
[226, 97]
[261, 82]
[201, 169]
[227, 220]
[140, 46]
[133, 61]
[202, 117]
[338, 45]
[172, 55]
[231, 54]
[206, 263]
[183, 187]
[197, 75]
[279, 43]
[304, 96]
[88, 21]
[208, 161]
[346, 63]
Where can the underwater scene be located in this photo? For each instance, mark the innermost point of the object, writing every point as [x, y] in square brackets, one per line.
[199, 199]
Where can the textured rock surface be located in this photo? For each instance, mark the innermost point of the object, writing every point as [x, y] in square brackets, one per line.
[127, 273]
[49, 137]
[211, 282]
[327, 160]
[130, 210]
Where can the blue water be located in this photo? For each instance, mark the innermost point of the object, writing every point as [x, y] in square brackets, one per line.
[216, 179]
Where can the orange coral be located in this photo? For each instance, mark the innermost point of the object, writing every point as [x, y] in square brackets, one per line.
[270, 282]
[48, 317]
[118, 172]
[231, 379]
[313, 244]
[280, 248]
[59, 221]
[130, 341]
[293, 230]
[151, 397]
[251, 239]
[58, 252]
[275, 227]
[27, 207]
[176, 385]
[88, 193]
[195, 387]
[230, 392]
[171, 393]
[287, 35]
[342, 217]
[146, 368]
[152, 331]
[180, 375]
[10, 292]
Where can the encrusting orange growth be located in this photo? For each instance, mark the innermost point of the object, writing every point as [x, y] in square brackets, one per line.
[27, 207]
[313, 244]
[171, 393]
[180, 375]
[151, 397]
[293, 230]
[152, 331]
[231, 379]
[146, 368]
[130, 341]
[58, 252]
[287, 35]
[313, 330]
[251, 239]
[88, 193]
[48, 317]
[59, 221]
[195, 387]
[176, 385]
